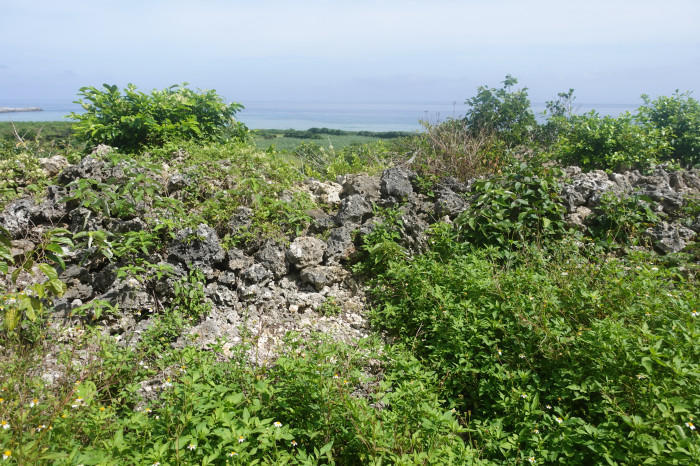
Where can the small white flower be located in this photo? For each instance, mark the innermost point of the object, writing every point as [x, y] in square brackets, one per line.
[690, 425]
[521, 356]
[536, 431]
[34, 402]
[4, 424]
[523, 396]
[277, 424]
[500, 353]
[694, 314]
[167, 383]
[559, 420]
[191, 446]
[231, 454]
[564, 274]
[41, 427]
[548, 406]
[157, 463]
[336, 376]
[641, 376]
[294, 443]
[241, 439]
[654, 269]
[6, 454]
[531, 460]
[77, 403]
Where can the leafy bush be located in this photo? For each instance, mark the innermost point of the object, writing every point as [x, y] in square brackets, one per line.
[622, 220]
[678, 117]
[609, 143]
[134, 119]
[557, 356]
[503, 111]
[513, 209]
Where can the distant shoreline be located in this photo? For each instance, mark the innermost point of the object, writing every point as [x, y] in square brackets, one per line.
[20, 109]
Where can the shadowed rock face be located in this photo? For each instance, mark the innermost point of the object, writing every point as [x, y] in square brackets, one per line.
[261, 292]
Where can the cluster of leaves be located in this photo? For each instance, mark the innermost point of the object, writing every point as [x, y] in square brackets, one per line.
[678, 117]
[22, 307]
[500, 124]
[134, 119]
[557, 355]
[302, 410]
[514, 209]
[501, 111]
[622, 220]
[617, 143]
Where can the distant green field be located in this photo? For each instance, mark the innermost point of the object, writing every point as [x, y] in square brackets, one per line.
[30, 130]
[288, 140]
[282, 140]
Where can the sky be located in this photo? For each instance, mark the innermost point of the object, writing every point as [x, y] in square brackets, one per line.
[610, 51]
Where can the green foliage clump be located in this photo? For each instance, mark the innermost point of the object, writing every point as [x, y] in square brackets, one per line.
[504, 112]
[609, 143]
[557, 356]
[514, 209]
[134, 119]
[622, 220]
[678, 117]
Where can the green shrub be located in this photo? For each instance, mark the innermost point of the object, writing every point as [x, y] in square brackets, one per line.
[678, 117]
[513, 209]
[134, 119]
[503, 111]
[559, 357]
[608, 143]
[622, 220]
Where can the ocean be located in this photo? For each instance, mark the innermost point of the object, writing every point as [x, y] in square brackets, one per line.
[349, 116]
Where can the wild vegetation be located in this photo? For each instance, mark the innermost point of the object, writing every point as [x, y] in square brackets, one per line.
[501, 333]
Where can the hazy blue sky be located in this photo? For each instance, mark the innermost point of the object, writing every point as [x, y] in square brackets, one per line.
[610, 51]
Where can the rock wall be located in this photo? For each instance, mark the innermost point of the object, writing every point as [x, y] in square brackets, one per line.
[269, 289]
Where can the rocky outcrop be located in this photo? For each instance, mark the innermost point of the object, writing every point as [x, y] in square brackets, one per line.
[267, 287]
[667, 191]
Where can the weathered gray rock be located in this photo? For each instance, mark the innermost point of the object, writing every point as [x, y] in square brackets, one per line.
[77, 290]
[670, 237]
[324, 192]
[178, 182]
[93, 166]
[20, 247]
[362, 184]
[340, 244]
[256, 273]
[82, 219]
[129, 294]
[241, 220]
[320, 221]
[124, 226]
[449, 203]
[353, 209]
[17, 217]
[323, 275]
[272, 256]
[221, 295]
[577, 218]
[305, 251]
[199, 247]
[396, 183]
[52, 166]
[238, 260]
[587, 189]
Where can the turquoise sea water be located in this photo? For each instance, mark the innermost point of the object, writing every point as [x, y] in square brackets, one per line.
[303, 115]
